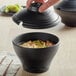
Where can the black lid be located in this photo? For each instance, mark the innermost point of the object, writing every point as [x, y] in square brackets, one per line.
[67, 5]
[31, 18]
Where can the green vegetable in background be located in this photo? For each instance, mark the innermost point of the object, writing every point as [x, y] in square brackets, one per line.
[12, 8]
[6, 10]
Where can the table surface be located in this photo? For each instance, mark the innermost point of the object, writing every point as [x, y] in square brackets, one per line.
[64, 62]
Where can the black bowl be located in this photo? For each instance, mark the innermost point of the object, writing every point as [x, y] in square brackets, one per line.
[36, 60]
[67, 10]
[68, 18]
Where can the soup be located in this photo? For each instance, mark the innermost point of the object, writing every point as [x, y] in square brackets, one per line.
[37, 44]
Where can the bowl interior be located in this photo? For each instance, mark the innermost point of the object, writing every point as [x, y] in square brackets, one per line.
[35, 36]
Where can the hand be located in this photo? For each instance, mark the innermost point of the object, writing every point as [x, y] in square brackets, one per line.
[45, 4]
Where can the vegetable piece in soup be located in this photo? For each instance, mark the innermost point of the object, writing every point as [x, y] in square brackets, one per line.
[37, 44]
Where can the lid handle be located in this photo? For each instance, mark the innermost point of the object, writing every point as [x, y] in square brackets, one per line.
[35, 6]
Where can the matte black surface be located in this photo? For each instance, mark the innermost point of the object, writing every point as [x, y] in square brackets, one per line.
[36, 60]
[67, 5]
[68, 18]
[31, 18]
[67, 10]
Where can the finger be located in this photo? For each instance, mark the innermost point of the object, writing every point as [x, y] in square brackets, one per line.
[47, 5]
[44, 7]
[41, 1]
[29, 3]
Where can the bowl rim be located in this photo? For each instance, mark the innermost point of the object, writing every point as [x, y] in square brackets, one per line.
[36, 48]
[68, 11]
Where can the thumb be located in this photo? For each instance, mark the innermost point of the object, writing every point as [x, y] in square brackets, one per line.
[29, 3]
